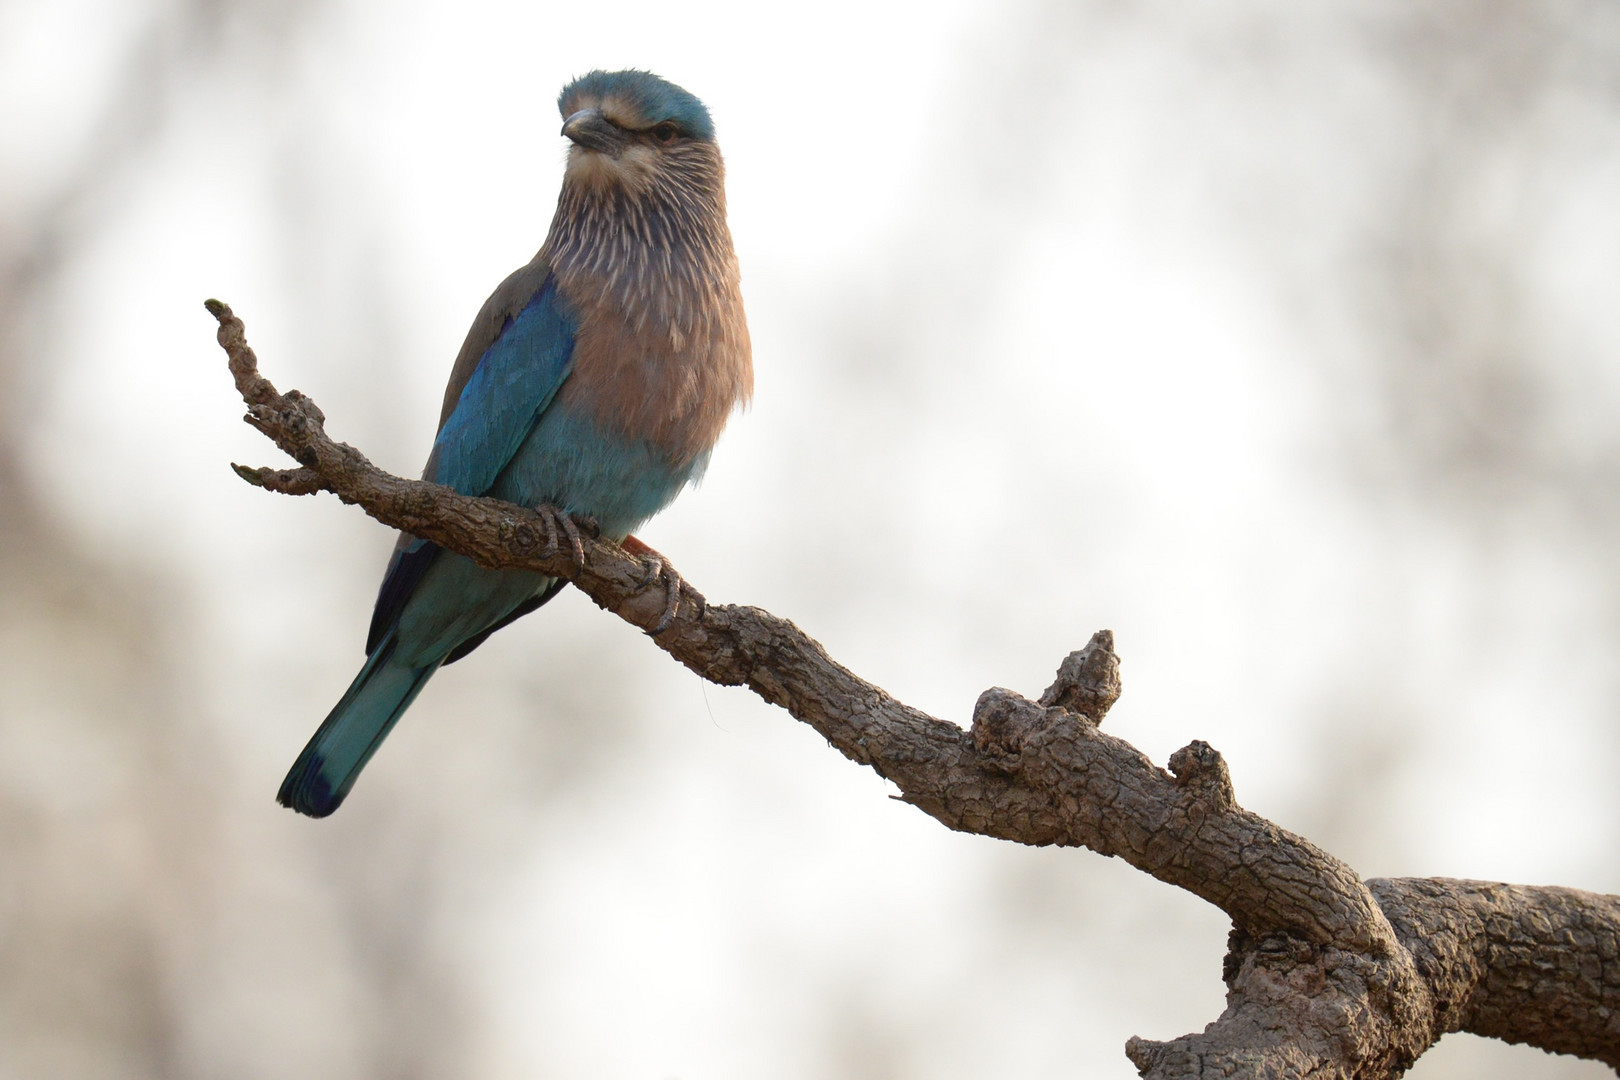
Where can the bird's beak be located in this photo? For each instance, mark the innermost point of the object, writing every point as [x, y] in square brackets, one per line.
[593, 131]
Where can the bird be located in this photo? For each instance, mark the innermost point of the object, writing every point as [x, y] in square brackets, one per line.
[592, 386]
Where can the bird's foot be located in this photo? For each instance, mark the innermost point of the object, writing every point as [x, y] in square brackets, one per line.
[557, 521]
[659, 571]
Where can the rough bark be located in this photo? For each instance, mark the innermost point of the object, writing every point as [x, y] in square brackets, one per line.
[1327, 975]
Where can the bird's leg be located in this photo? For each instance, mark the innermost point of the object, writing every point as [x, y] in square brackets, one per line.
[557, 519]
[658, 569]
[551, 530]
[575, 544]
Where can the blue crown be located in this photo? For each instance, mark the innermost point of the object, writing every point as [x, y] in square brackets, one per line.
[653, 99]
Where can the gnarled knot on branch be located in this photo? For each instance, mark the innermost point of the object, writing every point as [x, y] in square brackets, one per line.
[1088, 680]
[1002, 720]
[1087, 685]
[1199, 766]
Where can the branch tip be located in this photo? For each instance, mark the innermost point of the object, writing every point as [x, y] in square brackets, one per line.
[249, 473]
[304, 481]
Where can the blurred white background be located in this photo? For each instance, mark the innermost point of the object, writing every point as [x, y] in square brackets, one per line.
[1282, 339]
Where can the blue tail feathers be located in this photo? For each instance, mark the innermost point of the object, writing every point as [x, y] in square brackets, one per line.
[351, 733]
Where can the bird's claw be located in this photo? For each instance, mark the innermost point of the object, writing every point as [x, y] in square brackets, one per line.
[576, 545]
[550, 521]
[558, 520]
[660, 571]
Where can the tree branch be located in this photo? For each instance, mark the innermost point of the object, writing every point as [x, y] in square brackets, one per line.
[1328, 976]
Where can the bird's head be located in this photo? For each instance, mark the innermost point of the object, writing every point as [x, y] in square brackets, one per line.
[627, 126]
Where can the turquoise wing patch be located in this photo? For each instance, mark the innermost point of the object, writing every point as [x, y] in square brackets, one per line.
[516, 379]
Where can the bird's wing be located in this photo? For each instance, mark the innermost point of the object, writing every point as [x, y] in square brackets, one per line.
[516, 356]
[504, 304]
[500, 396]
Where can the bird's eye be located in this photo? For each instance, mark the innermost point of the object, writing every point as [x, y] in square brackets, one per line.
[665, 132]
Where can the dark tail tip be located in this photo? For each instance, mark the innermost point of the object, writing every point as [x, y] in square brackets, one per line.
[307, 791]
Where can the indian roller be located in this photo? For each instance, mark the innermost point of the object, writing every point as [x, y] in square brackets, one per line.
[593, 385]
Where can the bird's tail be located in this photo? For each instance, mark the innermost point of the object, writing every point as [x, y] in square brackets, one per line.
[351, 732]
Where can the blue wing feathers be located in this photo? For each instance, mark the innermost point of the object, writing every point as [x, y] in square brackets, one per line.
[515, 380]
[405, 572]
[527, 607]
